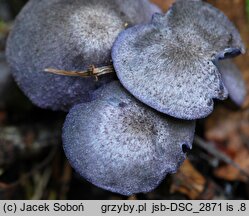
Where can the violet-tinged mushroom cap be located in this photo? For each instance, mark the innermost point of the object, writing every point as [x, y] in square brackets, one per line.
[233, 80]
[67, 35]
[119, 144]
[168, 64]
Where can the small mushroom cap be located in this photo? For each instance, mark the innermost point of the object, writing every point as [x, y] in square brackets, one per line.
[119, 144]
[67, 35]
[168, 64]
[233, 81]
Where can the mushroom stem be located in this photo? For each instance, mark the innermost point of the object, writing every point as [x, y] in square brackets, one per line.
[92, 71]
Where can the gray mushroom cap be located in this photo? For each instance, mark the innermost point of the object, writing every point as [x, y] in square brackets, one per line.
[68, 35]
[119, 144]
[233, 80]
[168, 64]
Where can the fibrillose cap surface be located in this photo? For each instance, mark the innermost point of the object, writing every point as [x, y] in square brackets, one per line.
[169, 63]
[67, 35]
[119, 144]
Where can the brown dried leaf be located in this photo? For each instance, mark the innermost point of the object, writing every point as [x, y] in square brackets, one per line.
[188, 181]
[230, 132]
[230, 173]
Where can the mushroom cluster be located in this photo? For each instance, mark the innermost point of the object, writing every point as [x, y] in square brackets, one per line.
[125, 133]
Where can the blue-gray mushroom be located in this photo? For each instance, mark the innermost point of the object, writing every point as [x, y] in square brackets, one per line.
[67, 35]
[119, 144]
[169, 64]
[233, 81]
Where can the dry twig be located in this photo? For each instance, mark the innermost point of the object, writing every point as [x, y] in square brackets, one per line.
[210, 148]
[91, 72]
